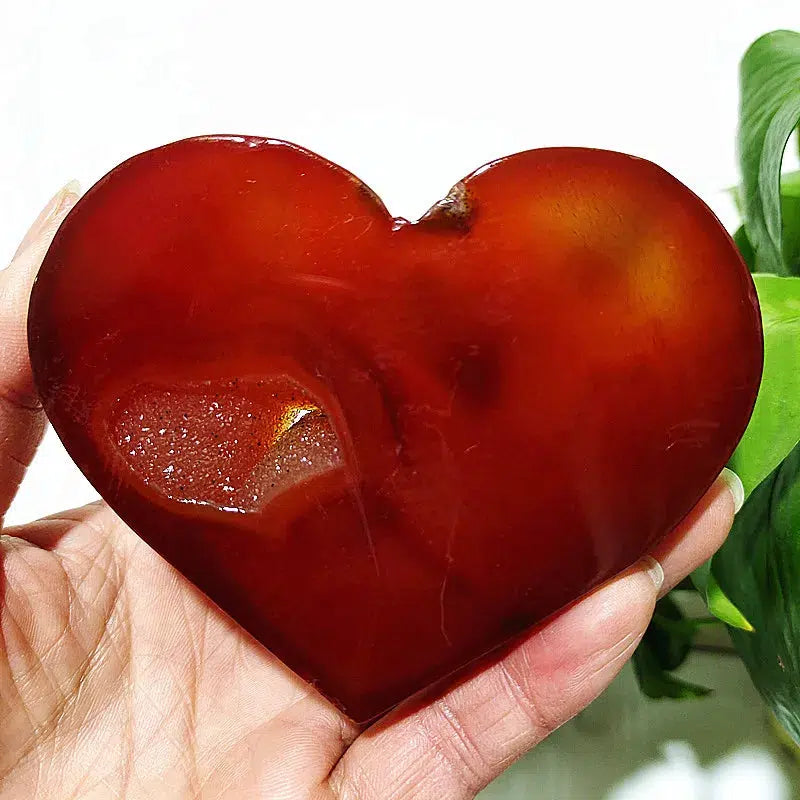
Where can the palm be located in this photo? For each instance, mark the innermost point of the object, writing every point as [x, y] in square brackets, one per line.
[119, 680]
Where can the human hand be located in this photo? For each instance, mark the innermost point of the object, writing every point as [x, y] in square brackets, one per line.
[118, 679]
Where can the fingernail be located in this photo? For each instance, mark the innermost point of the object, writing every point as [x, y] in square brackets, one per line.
[60, 202]
[735, 486]
[653, 570]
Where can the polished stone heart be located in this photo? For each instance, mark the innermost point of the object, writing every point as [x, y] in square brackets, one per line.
[384, 447]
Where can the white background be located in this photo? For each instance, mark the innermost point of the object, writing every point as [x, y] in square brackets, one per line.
[410, 96]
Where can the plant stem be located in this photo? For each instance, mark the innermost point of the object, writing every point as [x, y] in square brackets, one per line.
[714, 649]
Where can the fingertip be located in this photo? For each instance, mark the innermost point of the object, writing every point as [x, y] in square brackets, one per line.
[16, 281]
[700, 534]
[50, 217]
[735, 486]
[618, 609]
[653, 569]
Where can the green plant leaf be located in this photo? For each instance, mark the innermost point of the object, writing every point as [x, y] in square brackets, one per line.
[774, 427]
[759, 568]
[664, 647]
[670, 644]
[790, 227]
[718, 603]
[769, 112]
[745, 248]
[658, 683]
[790, 215]
[722, 607]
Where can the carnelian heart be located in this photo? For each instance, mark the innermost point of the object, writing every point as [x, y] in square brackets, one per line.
[386, 447]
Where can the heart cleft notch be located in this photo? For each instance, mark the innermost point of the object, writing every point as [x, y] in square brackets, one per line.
[454, 212]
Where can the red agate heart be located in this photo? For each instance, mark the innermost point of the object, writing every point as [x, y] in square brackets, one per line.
[386, 447]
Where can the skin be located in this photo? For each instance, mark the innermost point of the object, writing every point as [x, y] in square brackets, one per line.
[118, 679]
